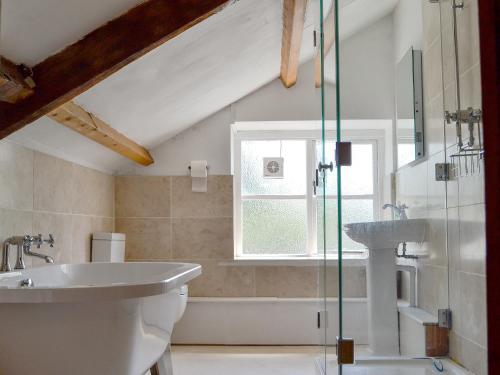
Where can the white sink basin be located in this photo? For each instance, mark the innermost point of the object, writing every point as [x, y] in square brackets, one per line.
[386, 234]
[94, 318]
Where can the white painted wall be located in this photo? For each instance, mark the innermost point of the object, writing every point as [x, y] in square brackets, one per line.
[367, 93]
[407, 27]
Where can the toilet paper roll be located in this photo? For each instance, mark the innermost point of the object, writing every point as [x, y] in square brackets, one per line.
[199, 176]
[199, 168]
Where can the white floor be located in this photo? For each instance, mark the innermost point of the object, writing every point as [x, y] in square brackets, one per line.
[285, 360]
[235, 360]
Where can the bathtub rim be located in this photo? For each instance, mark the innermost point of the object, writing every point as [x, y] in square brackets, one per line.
[166, 281]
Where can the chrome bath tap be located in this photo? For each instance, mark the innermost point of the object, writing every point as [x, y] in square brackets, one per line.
[24, 245]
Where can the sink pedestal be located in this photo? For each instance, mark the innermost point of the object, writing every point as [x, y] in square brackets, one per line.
[382, 238]
[382, 302]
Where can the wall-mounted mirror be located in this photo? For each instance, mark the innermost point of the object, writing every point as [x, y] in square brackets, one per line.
[409, 101]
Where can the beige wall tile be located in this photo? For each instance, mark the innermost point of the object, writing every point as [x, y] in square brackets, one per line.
[452, 193]
[446, 13]
[448, 58]
[431, 23]
[142, 196]
[202, 238]
[411, 186]
[472, 239]
[286, 281]
[432, 288]
[353, 286]
[223, 281]
[434, 247]
[93, 192]
[82, 236]
[60, 225]
[468, 35]
[471, 186]
[470, 90]
[432, 71]
[16, 176]
[102, 224]
[217, 202]
[473, 307]
[147, 239]
[15, 223]
[436, 190]
[434, 123]
[450, 104]
[83, 227]
[468, 354]
[453, 235]
[53, 187]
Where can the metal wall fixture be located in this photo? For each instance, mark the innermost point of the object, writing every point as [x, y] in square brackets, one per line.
[24, 245]
[470, 151]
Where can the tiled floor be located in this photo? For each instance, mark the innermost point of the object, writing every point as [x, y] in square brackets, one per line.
[244, 360]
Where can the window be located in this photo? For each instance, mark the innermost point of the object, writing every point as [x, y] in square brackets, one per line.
[282, 217]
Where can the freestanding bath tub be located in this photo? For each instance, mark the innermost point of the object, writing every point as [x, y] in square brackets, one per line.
[89, 319]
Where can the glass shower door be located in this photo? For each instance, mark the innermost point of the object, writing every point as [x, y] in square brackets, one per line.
[329, 204]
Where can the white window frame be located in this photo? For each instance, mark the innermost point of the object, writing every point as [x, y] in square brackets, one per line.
[374, 137]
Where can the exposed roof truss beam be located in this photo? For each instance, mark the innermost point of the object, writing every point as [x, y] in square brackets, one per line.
[102, 52]
[78, 119]
[294, 12]
[16, 83]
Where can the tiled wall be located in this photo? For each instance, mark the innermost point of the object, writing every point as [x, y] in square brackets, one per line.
[451, 270]
[43, 194]
[164, 220]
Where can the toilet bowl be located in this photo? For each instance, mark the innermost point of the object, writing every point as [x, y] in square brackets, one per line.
[182, 302]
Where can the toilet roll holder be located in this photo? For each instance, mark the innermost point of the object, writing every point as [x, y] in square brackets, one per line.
[190, 167]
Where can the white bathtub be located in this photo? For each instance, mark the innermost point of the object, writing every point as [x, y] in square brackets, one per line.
[89, 319]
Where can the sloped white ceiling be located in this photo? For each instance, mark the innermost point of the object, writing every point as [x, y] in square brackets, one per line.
[204, 69]
[32, 30]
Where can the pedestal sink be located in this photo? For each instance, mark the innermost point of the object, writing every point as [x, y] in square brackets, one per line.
[382, 238]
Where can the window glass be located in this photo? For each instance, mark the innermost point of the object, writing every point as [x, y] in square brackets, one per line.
[356, 179]
[252, 173]
[274, 211]
[274, 226]
[353, 211]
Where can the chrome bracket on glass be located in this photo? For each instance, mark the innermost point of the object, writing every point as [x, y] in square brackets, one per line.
[443, 171]
[345, 351]
[322, 319]
[343, 154]
[444, 318]
[322, 167]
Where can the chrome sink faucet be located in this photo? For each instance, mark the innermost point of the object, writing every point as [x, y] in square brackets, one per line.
[398, 210]
[24, 245]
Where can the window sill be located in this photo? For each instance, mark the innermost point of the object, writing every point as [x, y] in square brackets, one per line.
[348, 260]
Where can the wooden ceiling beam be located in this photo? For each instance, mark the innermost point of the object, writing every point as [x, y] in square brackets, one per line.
[294, 12]
[16, 83]
[85, 123]
[102, 52]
